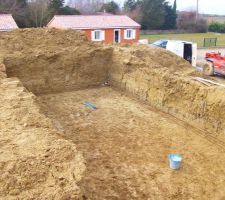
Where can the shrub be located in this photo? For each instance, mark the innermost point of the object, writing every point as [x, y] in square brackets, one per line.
[217, 27]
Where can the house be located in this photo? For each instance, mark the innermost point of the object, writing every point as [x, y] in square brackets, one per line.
[7, 23]
[106, 28]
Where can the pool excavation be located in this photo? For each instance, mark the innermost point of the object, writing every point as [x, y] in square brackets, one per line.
[92, 121]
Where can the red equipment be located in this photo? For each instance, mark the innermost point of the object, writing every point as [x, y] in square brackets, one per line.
[215, 64]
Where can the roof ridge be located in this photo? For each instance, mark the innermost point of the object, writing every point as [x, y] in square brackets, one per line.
[90, 15]
[5, 14]
[90, 21]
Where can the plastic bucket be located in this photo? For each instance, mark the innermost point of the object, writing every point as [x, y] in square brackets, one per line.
[175, 161]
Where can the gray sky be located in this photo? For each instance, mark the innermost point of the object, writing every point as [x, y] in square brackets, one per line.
[205, 6]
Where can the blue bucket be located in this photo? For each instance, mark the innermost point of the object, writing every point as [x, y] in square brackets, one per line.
[175, 161]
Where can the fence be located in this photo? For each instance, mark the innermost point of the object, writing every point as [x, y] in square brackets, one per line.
[203, 40]
[210, 42]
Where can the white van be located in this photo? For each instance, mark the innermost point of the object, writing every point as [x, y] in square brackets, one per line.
[184, 49]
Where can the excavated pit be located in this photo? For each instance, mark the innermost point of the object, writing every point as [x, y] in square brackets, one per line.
[148, 106]
[125, 144]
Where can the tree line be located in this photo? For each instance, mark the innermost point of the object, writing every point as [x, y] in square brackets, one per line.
[35, 13]
[151, 14]
[218, 27]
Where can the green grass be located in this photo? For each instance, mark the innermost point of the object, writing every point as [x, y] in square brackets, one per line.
[194, 37]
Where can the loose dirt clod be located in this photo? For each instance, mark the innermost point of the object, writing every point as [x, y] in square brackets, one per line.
[48, 137]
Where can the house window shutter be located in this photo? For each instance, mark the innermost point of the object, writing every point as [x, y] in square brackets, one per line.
[92, 35]
[125, 34]
[134, 34]
[102, 35]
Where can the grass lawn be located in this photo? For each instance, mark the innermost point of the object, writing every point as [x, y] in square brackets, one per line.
[194, 37]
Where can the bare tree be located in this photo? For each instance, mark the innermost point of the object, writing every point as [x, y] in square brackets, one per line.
[10, 6]
[87, 6]
[38, 12]
[17, 8]
[135, 14]
[187, 21]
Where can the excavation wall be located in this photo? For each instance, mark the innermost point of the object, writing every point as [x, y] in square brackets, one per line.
[165, 82]
[70, 69]
[35, 161]
[48, 61]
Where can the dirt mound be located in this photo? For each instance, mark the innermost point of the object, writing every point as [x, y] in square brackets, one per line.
[51, 60]
[51, 39]
[35, 162]
[40, 41]
[148, 56]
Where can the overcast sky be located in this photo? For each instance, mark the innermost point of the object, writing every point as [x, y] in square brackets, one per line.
[205, 6]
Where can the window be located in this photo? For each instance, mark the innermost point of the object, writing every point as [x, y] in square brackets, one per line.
[164, 44]
[98, 35]
[161, 43]
[129, 34]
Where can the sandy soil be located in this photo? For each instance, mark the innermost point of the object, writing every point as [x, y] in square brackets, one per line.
[35, 162]
[125, 144]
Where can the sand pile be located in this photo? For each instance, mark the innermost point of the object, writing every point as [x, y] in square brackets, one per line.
[27, 40]
[50, 60]
[35, 162]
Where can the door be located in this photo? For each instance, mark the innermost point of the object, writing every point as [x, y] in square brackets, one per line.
[188, 52]
[117, 36]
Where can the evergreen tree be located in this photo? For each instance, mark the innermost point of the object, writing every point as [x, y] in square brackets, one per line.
[56, 5]
[68, 11]
[175, 7]
[174, 19]
[170, 16]
[153, 14]
[130, 5]
[110, 7]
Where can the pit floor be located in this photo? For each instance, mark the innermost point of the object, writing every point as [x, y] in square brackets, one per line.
[126, 143]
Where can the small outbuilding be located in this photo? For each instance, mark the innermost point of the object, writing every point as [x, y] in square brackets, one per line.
[7, 23]
[105, 28]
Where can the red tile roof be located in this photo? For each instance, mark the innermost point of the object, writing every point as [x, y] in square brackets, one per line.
[7, 22]
[92, 21]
